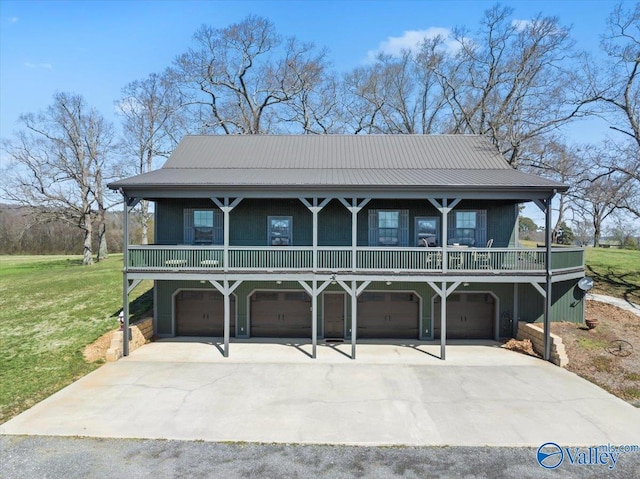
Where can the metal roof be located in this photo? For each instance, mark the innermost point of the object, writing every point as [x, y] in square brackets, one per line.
[380, 161]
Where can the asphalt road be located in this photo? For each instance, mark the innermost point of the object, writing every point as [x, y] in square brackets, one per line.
[40, 457]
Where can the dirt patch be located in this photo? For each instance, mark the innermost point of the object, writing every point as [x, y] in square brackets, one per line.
[523, 346]
[97, 350]
[598, 355]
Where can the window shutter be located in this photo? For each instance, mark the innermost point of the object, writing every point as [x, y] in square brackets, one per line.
[218, 227]
[188, 226]
[404, 228]
[481, 228]
[451, 225]
[373, 227]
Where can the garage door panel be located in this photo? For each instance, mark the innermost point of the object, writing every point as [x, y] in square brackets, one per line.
[280, 315]
[469, 316]
[201, 313]
[388, 316]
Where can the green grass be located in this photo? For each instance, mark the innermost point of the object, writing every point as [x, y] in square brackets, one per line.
[615, 272]
[51, 307]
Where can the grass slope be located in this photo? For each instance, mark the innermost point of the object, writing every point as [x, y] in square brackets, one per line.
[51, 307]
[616, 272]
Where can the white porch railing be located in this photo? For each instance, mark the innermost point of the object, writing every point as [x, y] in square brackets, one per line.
[300, 258]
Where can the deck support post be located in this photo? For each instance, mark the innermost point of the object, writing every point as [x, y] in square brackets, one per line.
[314, 291]
[226, 289]
[315, 208]
[354, 207]
[545, 206]
[444, 207]
[443, 291]
[127, 203]
[226, 206]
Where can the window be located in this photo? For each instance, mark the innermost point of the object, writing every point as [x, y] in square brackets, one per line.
[203, 226]
[468, 227]
[427, 231]
[389, 227]
[280, 230]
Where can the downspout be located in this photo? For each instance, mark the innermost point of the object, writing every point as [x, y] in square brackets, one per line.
[548, 284]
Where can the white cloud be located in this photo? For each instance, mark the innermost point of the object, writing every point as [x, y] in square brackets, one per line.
[44, 66]
[13, 20]
[521, 25]
[411, 40]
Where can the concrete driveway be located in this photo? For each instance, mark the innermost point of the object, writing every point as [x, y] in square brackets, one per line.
[391, 395]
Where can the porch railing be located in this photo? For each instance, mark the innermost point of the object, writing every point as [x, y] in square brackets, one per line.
[329, 259]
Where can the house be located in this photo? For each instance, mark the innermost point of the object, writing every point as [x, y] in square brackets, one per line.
[346, 237]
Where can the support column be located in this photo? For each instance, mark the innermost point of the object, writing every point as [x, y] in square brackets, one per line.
[354, 291]
[125, 280]
[226, 289]
[354, 208]
[314, 290]
[226, 206]
[315, 208]
[125, 277]
[443, 323]
[443, 292]
[545, 206]
[444, 208]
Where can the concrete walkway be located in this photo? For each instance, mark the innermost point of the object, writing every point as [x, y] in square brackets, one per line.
[620, 303]
[391, 395]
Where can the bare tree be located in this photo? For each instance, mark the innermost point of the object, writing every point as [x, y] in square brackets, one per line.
[512, 81]
[554, 159]
[615, 84]
[396, 95]
[57, 163]
[240, 76]
[598, 199]
[153, 123]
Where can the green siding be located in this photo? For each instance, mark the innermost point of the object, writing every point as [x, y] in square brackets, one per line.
[169, 216]
[567, 303]
[249, 220]
[504, 292]
[334, 225]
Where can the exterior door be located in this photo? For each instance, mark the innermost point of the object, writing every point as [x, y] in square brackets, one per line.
[201, 313]
[469, 316]
[388, 316]
[333, 312]
[280, 314]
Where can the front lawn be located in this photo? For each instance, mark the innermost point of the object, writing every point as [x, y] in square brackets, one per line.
[51, 307]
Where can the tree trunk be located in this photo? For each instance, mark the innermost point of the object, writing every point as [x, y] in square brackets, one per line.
[103, 252]
[144, 207]
[87, 250]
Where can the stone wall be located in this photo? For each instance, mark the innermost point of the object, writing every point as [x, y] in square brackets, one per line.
[535, 334]
[141, 333]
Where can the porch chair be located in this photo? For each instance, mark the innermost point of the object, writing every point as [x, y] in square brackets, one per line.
[483, 258]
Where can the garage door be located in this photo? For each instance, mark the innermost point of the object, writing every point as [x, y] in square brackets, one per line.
[201, 313]
[280, 314]
[469, 316]
[388, 315]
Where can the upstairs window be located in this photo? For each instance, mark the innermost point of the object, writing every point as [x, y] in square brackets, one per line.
[427, 231]
[468, 227]
[203, 226]
[280, 230]
[388, 227]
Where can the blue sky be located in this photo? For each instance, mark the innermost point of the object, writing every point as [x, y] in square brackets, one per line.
[95, 47]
